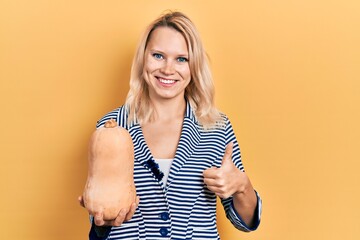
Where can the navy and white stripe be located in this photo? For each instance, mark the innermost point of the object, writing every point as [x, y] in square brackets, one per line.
[183, 208]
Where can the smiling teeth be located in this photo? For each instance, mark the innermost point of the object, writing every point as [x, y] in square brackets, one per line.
[166, 81]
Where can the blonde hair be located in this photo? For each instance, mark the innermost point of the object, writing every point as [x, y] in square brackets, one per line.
[200, 91]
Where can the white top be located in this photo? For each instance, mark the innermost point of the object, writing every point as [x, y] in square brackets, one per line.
[164, 165]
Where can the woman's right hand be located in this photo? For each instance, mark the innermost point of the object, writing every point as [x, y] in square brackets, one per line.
[123, 216]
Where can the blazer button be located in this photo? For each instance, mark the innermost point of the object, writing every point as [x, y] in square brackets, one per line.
[164, 216]
[163, 231]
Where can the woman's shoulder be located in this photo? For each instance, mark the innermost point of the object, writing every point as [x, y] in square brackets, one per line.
[223, 116]
[223, 119]
[119, 114]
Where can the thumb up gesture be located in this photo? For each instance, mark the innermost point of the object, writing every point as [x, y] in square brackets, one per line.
[226, 180]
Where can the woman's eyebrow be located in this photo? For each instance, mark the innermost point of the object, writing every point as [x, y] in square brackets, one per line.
[153, 50]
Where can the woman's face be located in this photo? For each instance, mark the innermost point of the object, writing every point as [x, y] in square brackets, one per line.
[166, 67]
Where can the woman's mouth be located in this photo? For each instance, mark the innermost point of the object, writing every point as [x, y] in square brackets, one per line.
[166, 82]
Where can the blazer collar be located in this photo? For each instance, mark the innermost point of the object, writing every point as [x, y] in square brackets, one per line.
[189, 139]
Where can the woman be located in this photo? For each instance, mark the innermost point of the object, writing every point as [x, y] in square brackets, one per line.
[186, 152]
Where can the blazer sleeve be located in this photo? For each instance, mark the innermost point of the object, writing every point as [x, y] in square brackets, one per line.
[228, 205]
[119, 115]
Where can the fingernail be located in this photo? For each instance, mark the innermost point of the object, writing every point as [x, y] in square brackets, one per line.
[98, 222]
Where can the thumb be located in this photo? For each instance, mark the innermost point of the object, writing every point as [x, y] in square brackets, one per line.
[227, 155]
[81, 201]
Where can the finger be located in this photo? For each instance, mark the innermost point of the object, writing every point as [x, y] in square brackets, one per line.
[228, 154]
[213, 182]
[133, 208]
[214, 189]
[98, 219]
[220, 192]
[130, 214]
[211, 172]
[120, 218]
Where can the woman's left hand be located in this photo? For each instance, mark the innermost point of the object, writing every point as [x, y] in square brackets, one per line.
[123, 216]
[228, 179]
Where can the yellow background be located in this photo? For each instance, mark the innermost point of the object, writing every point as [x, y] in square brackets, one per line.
[286, 73]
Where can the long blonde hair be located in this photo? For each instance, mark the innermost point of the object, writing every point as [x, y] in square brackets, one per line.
[199, 92]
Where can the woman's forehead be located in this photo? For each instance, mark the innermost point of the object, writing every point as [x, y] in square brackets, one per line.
[167, 39]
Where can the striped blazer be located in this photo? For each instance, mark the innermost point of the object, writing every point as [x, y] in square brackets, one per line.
[183, 208]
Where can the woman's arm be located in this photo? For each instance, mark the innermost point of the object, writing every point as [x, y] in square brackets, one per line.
[227, 181]
[245, 201]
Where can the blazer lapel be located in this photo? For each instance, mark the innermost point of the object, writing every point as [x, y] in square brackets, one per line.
[189, 139]
[142, 152]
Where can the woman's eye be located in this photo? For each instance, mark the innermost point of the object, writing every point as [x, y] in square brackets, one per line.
[182, 59]
[157, 56]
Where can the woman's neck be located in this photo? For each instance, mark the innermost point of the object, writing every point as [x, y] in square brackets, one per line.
[169, 109]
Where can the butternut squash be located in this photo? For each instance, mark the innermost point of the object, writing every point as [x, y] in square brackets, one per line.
[110, 184]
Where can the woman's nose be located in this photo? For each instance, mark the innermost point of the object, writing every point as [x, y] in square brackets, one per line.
[168, 68]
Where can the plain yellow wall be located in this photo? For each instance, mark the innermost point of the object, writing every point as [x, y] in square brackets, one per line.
[286, 73]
